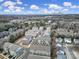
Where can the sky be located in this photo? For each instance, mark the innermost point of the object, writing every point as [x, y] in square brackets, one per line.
[39, 7]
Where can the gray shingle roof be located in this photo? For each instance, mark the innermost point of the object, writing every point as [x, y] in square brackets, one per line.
[12, 47]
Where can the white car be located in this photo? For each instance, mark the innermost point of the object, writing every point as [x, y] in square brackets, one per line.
[67, 40]
[60, 52]
[59, 40]
[58, 45]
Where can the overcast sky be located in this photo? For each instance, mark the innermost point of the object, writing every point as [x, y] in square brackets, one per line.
[39, 6]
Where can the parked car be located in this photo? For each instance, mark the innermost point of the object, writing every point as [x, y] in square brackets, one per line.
[61, 54]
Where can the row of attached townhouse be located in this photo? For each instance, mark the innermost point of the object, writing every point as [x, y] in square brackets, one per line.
[16, 51]
[40, 48]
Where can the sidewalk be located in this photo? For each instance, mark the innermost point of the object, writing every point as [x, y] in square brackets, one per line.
[69, 56]
[76, 54]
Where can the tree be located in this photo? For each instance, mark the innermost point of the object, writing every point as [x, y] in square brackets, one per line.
[1, 50]
[72, 40]
[17, 34]
[12, 39]
[62, 38]
[26, 24]
[44, 28]
[42, 23]
[53, 45]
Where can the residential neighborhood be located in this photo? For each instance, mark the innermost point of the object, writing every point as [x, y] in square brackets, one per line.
[39, 39]
[39, 29]
[28, 41]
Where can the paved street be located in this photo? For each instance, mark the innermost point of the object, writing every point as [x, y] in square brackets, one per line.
[31, 56]
[19, 42]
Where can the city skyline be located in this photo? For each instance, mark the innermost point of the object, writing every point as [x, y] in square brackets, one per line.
[39, 7]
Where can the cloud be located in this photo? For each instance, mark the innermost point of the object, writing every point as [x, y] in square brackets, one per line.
[46, 11]
[22, 8]
[34, 7]
[7, 11]
[67, 4]
[65, 10]
[8, 3]
[45, 4]
[19, 3]
[1, 0]
[19, 7]
[75, 6]
[18, 10]
[12, 7]
[54, 6]
[18, 0]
